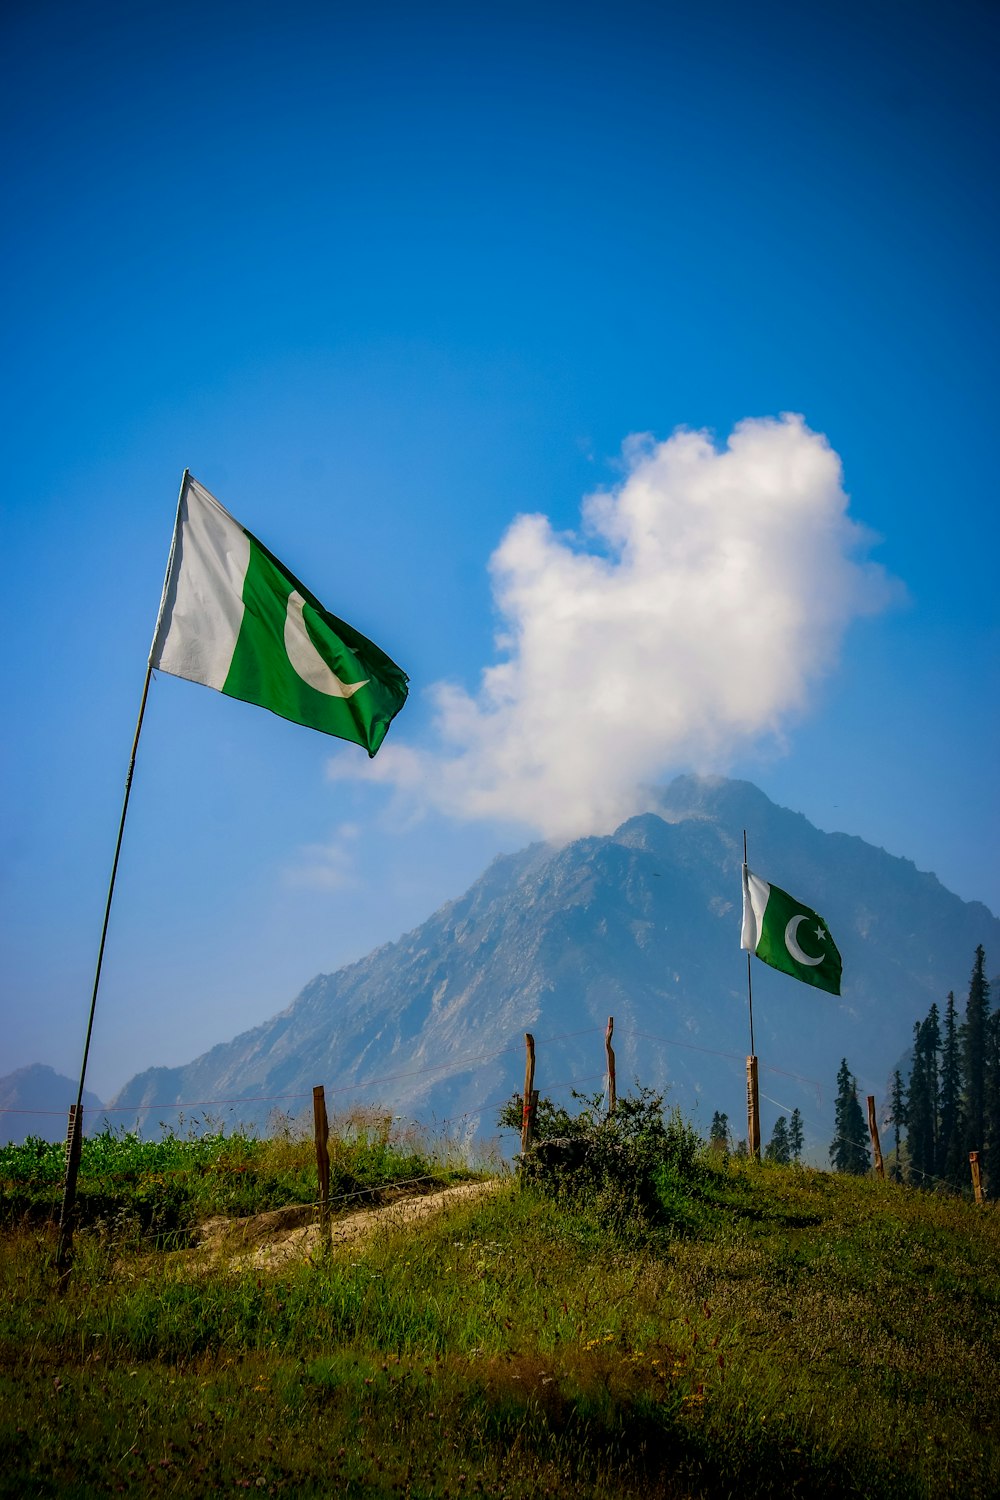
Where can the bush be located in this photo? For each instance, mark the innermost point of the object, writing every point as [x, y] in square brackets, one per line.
[634, 1168]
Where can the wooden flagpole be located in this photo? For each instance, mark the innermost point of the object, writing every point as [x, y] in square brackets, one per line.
[753, 1110]
[69, 1185]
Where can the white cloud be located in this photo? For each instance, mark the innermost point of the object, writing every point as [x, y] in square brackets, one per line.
[704, 596]
[325, 867]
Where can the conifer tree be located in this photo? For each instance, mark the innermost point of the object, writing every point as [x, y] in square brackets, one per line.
[849, 1151]
[922, 1105]
[950, 1135]
[932, 1048]
[916, 1113]
[795, 1138]
[718, 1132]
[897, 1114]
[778, 1149]
[974, 1031]
[991, 1140]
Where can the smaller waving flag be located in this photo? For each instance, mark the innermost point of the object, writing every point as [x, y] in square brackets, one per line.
[788, 935]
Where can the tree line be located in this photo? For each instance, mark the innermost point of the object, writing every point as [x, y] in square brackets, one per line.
[947, 1106]
[784, 1148]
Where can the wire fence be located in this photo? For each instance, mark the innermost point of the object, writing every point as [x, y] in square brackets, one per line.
[461, 1063]
[342, 1091]
[456, 1064]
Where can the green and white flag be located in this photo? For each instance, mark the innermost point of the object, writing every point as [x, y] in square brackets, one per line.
[234, 618]
[788, 935]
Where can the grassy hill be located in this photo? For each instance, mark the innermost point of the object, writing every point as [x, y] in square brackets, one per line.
[756, 1331]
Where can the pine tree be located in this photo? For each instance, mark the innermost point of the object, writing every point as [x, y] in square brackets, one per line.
[922, 1108]
[897, 1115]
[916, 1113]
[718, 1132]
[795, 1138]
[974, 1028]
[991, 1139]
[849, 1150]
[778, 1149]
[951, 1135]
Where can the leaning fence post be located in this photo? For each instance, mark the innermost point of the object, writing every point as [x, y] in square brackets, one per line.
[612, 1097]
[977, 1181]
[527, 1112]
[876, 1143]
[321, 1128]
[74, 1142]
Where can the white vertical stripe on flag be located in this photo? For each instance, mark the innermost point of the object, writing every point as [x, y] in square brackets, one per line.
[202, 607]
[755, 895]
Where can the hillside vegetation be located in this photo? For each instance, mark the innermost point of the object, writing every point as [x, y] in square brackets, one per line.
[157, 1192]
[711, 1328]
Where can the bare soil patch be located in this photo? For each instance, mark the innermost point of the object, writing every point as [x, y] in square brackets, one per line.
[269, 1240]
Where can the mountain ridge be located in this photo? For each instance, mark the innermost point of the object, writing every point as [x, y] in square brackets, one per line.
[643, 924]
[35, 1101]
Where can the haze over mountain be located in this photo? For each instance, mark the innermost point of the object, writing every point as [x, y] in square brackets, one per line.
[36, 1100]
[643, 925]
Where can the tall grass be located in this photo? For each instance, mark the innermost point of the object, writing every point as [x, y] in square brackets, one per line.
[163, 1188]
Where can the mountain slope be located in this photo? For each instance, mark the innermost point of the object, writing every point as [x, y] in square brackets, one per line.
[35, 1101]
[644, 925]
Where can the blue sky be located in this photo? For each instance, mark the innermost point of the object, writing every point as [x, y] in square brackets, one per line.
[385, 278]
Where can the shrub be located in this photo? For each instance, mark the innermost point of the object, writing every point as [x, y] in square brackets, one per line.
[634, 1168]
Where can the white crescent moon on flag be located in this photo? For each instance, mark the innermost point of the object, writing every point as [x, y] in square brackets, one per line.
[791, 943]
[306, 660]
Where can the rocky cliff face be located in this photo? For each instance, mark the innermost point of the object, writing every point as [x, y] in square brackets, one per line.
[643, 925]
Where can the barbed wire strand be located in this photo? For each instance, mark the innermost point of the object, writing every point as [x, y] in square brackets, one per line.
[460, 1063]
[467, 1061]
[852, 1141]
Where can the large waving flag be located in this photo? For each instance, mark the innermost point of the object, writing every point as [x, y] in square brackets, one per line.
[234, 618]
[788, 935]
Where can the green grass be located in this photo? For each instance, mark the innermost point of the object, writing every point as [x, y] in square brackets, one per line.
[164, 1188]
[788, 1333]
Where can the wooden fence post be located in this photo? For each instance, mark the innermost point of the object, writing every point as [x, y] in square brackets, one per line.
[74, 1143]
[876, 1143]
[977, 1181]
[530, 1094]
[753, 1111]
[612, 1096]
[321, 1127]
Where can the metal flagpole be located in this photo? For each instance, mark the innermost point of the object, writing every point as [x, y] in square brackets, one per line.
[76, 1116]
[749, 979]
[73, 1156]
[753, 1098]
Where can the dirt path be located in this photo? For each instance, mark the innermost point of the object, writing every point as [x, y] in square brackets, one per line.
[270, 1240]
